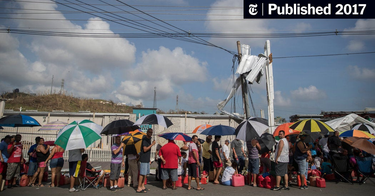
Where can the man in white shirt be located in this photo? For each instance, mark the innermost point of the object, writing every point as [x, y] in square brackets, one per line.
[323, 143]
[225, 153]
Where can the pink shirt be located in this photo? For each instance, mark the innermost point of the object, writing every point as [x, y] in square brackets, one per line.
[192, 149]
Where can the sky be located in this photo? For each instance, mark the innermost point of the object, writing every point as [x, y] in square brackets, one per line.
[128, 62]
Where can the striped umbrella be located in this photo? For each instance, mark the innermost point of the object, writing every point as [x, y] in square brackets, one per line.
[252, 128]
[357, 133]
[364, 127]
[133, 142]
[154, 119]
[53, 126]
[311, 126]
[78, 135]
[201, 128]
[176, 136]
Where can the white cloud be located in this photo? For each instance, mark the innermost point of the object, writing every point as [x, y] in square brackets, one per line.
[361, 73]
[307, 94]
[164, 69]
[280, 100]
[223, 84]
[234, 26]
[358, 43]
[355, 45]
[302, 27]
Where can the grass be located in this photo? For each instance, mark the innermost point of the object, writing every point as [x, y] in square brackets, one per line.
[49, 102]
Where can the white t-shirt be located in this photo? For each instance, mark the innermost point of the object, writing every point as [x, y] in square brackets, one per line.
[323, 143]
[317, 161]
[227, 174]
[226, 151]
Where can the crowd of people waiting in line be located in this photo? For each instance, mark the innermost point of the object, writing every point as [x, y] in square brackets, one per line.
[219, 162]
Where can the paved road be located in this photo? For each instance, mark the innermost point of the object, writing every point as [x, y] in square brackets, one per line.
[210, 189]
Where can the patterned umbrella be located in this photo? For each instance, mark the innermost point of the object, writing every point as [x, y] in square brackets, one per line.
[154, 119]
[201, 128]
[311, 126]
[53, 126]
[176, 136]
[133, 142]
[364, 127]
[251, 129]
[357, 133]
[78, 135]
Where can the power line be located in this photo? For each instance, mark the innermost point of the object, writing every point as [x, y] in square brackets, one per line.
[323, 55]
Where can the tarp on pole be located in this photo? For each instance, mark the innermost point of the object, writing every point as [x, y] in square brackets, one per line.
[346, 123]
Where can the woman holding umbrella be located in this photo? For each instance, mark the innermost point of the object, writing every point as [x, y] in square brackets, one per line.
[42, 153]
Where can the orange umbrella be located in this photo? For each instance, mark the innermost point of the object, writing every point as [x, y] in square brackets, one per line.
[201, 128]
[286, 129]
[362, 144]
[356, 133]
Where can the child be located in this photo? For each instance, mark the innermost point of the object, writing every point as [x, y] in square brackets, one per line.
[318, 160]
[181, 171]
[313, 166]
[326, 166]
[228, 173]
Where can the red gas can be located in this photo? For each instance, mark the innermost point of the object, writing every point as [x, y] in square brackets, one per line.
[186, 179]
[238, 180]
[267, 182]
[299, 180]
[179, 181]
[62, 180]
[121, 182]
[313, 180]
[260, 180]
[321, 182]
[329, 176]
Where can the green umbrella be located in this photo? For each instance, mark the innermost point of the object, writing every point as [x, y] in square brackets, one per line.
[78, 135]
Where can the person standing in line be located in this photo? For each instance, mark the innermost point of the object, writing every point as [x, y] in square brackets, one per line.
[282, 161]
[14, 161]
[75, 160]
[158, 160]
[133, 169]
[42, 153]
[253, 148]
[206, 154]
[56, 164]
[4, 155]
[117, 161]
[300, 156]
[193, 163]
[169, 154]
[218, 163]
[225, 152]
[238, 154]
[33, 162]
[145, 160]
[323, 143]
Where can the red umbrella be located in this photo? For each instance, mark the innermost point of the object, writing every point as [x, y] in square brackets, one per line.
[286, 129]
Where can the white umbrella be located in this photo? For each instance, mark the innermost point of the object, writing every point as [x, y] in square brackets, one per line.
[78, 135]
[252, 128]
[345, 123]
[154, 119]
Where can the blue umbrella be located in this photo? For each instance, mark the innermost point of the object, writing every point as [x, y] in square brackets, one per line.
[18, 120]
[176, 136]
[219, 130]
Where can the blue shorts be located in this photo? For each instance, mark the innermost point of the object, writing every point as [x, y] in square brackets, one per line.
[74, 168]
[59, 162]
[301, 166]
[254, 166]
[33, 166]
[227, 183]
[144, 169]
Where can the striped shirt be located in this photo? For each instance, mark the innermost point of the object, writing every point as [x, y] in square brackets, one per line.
[116, 158]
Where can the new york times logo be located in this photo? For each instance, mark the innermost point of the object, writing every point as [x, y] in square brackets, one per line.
[253, 9]
[318, 9]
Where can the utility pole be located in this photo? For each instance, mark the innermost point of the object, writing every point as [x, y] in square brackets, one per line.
[270, 89]
[51, 85]
[154, 106]
[177, 109]
[243, 85]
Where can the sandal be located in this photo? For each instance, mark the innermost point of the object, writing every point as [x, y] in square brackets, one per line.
[142, 191]
[201, 189]
[164, 188]
[40, 185]
[190, 188]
